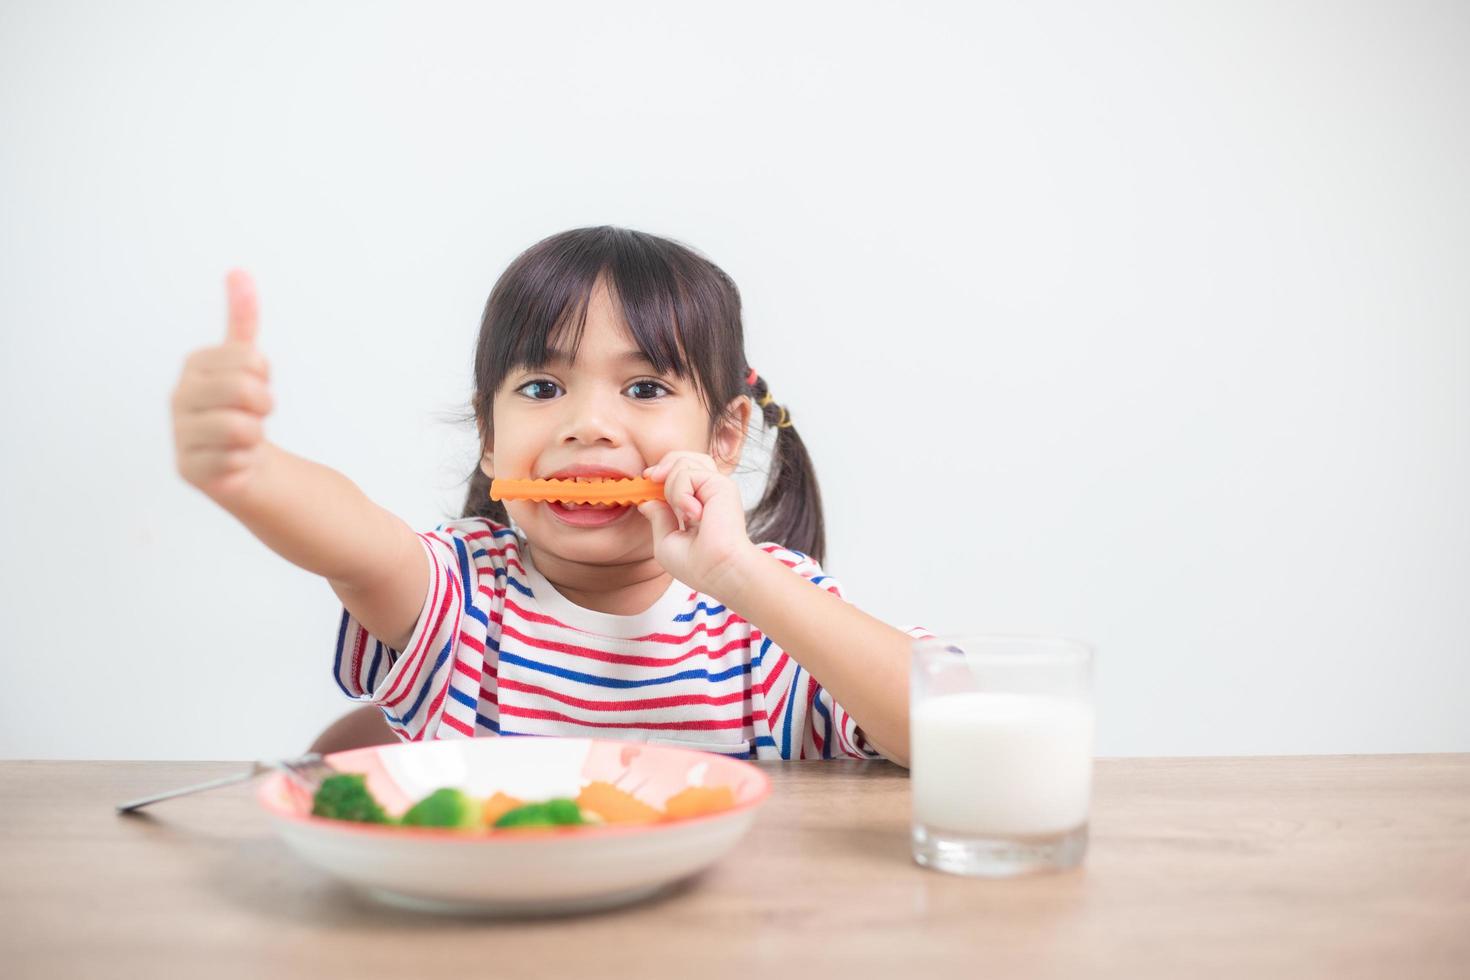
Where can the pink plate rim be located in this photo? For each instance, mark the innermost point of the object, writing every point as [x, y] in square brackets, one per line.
[266, 793]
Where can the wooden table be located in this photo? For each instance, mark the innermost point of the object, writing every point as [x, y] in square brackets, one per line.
[1346, 866]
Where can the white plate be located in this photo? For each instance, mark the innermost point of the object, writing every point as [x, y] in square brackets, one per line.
[566, 870]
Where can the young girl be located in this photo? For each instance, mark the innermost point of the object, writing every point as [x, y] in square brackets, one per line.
[602, 352]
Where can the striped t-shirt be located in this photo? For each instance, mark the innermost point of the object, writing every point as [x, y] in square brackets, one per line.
[498, 651]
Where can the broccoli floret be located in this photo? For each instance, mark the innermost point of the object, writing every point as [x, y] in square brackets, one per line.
[559, 812]
[345, 796]
[445, 808]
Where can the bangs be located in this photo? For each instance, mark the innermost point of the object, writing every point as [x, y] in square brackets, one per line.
[540, 306]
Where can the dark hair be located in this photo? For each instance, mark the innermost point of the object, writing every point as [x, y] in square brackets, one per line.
[676, 303]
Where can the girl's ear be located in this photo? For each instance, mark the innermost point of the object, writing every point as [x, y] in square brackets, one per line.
[729, 439]
[487, 452]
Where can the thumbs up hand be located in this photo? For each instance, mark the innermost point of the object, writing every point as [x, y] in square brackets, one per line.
[221, 401]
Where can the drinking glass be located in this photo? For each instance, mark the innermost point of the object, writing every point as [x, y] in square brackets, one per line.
[1000, 753]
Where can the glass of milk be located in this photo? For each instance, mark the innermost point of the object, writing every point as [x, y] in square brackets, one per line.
[1000, 753]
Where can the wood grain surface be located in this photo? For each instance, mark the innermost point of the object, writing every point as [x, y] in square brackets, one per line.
[1329, 866]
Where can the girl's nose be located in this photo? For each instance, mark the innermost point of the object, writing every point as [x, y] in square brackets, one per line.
[592, 419]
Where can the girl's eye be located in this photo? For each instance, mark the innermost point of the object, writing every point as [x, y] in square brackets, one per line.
[647, 386]
[538, 386]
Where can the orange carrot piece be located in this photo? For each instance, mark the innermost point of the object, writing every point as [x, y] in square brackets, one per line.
[498, 806]
[635, 490]
[615, 805]
[697, 801]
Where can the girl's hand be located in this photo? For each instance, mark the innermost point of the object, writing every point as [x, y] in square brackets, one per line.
[222, 397]
[699, 532]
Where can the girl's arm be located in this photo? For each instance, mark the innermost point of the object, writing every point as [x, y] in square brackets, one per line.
[861, 661]
[699, 537]
[314, 517]
[309, 514]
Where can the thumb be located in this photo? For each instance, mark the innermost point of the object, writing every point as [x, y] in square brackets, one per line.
[244, 308]
[661, 516]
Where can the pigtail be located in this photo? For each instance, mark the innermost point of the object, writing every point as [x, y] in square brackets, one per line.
[790, 510]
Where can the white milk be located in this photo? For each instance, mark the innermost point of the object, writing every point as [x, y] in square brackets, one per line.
[1003, 764]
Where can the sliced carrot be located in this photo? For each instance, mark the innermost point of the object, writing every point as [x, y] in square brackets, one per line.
[615, 805]
[632, 490]
[498, 806]
[698, 800]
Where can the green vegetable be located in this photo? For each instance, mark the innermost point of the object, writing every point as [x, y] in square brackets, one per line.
[560, 812]
[345, 796]
[445, 808]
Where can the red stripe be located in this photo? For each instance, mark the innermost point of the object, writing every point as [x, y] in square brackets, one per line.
[424, 643]
[779, 703]
[357, 649]
[477, 535]
[771, 678]
[487, 571]
[683, 726]
[811, 716]
[458, 725]
[669, 638]
[471, 642]
[772, 549]
[672, 701]
[626, 659]
[467, 670]
[700, 627]
[394, 696]
[434, 709]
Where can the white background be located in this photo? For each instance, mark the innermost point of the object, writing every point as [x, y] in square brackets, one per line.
[1147, 323]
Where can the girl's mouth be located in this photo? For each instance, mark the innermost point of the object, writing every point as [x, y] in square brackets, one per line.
[587, 515]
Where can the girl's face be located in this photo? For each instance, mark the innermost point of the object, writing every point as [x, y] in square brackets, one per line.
[606, 414]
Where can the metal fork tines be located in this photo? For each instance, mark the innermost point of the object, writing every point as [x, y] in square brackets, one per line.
[307, 771]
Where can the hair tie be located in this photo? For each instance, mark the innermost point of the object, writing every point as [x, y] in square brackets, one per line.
[785, 423]
[765, 400]
[750, 378]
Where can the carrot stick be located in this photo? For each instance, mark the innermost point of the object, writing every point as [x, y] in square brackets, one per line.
[634, 490]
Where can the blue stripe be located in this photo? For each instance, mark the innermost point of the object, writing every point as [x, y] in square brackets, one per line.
[337, 661]
[819, 579]
[572, 675]
[505, 532]
[827, 717]
[424, 689]
[372, 683]
[475, 613]
[765, 645]
[464, 567]
[708, 611]
[510, 580]
[788, 753]
[487, 723]
[468, 700]
[765, 742]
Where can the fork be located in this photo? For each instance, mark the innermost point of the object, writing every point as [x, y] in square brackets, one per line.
[307, 771]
